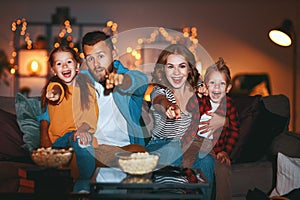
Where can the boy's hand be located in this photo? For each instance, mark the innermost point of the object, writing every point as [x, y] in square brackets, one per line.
[223, 157]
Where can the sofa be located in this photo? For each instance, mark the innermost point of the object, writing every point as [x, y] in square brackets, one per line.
[263, 119]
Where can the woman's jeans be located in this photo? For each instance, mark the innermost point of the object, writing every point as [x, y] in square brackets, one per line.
[84, 157]
[169, 150]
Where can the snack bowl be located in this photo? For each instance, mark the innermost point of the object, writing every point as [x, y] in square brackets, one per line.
[52, 158]
[139, 163]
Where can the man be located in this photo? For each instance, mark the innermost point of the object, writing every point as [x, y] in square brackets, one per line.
[121, 92]
[120, 96]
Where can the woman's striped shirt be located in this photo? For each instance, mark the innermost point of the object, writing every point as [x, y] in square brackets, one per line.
[168, 128]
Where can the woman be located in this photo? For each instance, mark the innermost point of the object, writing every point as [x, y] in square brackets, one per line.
[175, 77]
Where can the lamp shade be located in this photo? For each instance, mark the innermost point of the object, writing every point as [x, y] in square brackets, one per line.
[282, 35]
[33, 62]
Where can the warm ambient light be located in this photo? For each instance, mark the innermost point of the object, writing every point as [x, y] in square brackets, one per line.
[282, 34]
[148, 92]
[280, 38]
[12, 70]
[33, 62]
[34, 67]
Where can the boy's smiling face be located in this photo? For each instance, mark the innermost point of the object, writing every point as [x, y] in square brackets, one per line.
[217, 86]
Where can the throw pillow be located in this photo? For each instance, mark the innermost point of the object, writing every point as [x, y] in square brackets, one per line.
[267, 127]
[248, 108]
[288, 175]
[10, 137]
[27, 111]
[261, 121]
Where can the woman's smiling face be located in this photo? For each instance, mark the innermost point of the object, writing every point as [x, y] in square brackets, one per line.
[176, 70]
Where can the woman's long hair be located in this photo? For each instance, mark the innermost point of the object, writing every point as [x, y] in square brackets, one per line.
[159, 76]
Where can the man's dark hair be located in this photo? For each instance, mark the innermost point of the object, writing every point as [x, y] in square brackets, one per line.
[91, 38]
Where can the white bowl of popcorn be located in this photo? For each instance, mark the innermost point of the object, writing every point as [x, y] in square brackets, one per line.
[139, 163]
[52, 158]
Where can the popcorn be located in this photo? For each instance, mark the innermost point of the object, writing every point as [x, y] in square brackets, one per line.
[48, 157]
[136, 179]
[137, 163]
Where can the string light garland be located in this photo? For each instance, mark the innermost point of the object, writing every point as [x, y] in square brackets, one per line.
[19, 29]
[15, 27]
[188, 37]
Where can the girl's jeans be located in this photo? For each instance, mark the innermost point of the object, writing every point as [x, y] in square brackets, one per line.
[84, 157]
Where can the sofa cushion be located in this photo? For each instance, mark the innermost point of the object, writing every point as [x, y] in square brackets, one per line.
[27, 110]
[242, 177]
[10, 137]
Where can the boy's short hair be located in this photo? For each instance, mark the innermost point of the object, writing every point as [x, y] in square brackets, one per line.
[219, 66]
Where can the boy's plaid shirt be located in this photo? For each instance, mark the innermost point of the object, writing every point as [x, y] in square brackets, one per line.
[225, 140]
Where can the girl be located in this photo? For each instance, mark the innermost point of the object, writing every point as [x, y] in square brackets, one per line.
[71, 102]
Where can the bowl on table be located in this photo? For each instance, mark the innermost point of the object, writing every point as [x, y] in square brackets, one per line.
[139, 163]
[52, 158]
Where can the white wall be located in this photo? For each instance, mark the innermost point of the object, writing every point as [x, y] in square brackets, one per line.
[235, 30]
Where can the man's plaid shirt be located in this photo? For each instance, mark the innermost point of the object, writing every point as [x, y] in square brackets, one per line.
[225, 140]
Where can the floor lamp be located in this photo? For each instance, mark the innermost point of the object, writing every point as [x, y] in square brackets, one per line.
[285, 36]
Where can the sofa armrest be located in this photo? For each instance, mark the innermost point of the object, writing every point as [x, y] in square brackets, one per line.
[8, 104]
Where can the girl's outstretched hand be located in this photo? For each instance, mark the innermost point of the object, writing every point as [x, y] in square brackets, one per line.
[54, 93]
